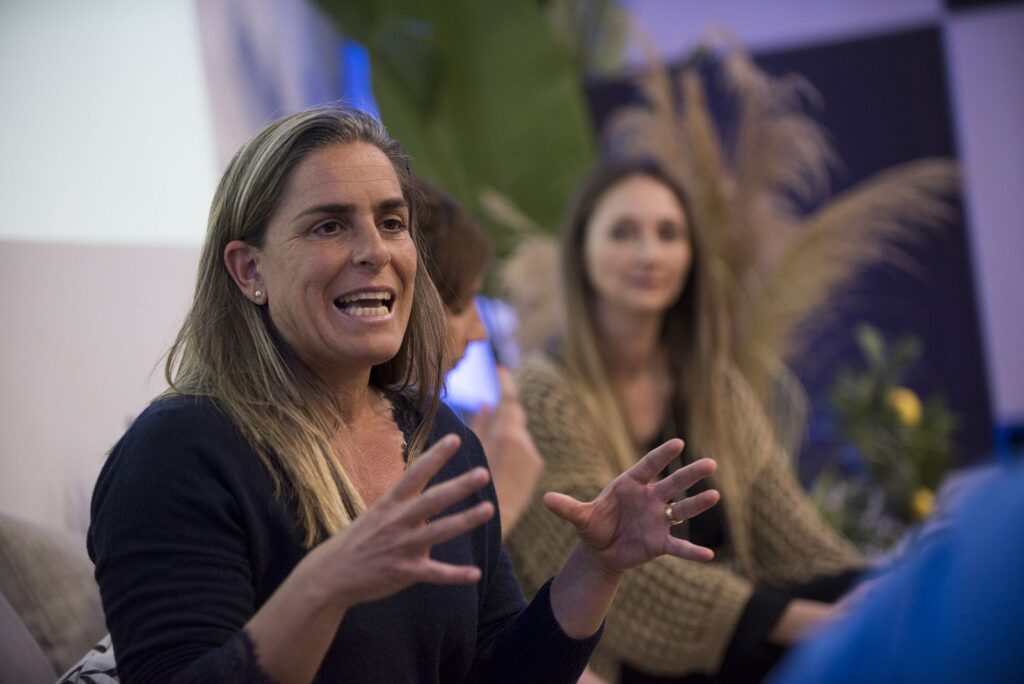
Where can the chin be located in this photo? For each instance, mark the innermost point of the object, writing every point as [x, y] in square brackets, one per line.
[450, 363]
[367, 357]
[649, 306]
[380, 357]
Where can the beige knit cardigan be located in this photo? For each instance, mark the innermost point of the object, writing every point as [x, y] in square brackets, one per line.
[672, 617]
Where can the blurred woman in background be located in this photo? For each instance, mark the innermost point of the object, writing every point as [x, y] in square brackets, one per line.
[642, 358]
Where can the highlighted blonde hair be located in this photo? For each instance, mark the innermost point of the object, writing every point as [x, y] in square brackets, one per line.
[227, 348]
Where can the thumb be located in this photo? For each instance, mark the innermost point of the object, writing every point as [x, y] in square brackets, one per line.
[566, 508]
[507, 384]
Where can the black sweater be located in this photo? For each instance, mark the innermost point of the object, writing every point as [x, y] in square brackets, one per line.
[189, 541]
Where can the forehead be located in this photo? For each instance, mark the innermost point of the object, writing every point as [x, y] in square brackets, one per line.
[349, 173]
[637, 195]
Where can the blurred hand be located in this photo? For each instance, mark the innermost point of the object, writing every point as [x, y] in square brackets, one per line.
[515, 463]
[588, 677]
[387, 548]
[800, 620]
[853, 598]
[626, 524]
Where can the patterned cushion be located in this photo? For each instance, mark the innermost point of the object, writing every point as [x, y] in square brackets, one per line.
[22, 660]
[96, 667]
[48, 579]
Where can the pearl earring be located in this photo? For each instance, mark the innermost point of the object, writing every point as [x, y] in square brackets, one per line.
[258, 294]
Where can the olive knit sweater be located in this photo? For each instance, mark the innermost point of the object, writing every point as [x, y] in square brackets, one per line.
[673, 617]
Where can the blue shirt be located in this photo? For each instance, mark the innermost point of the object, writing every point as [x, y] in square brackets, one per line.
[951, 611]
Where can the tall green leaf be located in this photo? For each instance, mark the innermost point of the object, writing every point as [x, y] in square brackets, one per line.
[481, 95]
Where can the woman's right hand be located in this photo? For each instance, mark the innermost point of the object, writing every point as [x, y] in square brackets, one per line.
[387, 548]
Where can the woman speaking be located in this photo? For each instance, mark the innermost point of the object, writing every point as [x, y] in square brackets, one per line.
[299, 505]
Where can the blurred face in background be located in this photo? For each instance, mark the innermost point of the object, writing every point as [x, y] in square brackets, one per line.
[458, 252]
[463, 324]
[637, 247]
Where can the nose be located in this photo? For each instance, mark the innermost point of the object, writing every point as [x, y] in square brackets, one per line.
[647, 247]
[369, 248]
[477, 331]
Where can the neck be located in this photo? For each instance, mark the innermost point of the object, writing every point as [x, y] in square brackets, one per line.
[631, 340]
[356, 399]
[353, 395]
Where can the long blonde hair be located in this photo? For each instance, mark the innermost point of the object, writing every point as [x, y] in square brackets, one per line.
[693, 333]
[227, 348]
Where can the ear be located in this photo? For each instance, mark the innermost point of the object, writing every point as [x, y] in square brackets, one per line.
[241, 261]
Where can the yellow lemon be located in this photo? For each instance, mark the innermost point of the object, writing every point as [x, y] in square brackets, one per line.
[905, 403]
[922, 501]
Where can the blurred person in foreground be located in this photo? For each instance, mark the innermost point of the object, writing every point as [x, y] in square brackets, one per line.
[458, 253]
[950, 610]
[299, 505]
[643, 355]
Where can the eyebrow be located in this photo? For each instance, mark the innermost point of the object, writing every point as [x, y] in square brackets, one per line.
[335, 208]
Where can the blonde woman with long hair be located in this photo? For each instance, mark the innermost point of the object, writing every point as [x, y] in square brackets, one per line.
[299, 505]
[641, 359]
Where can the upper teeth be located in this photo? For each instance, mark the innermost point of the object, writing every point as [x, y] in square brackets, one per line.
[361, 296]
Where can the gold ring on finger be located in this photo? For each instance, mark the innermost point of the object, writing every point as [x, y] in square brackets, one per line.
[670, 516]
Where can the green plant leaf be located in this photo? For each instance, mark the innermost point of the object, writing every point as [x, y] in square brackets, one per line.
[481, 96]
[871, 343]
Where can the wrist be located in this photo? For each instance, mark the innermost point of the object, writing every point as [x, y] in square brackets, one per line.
[582, 592]
[317, 588]
[590, 563]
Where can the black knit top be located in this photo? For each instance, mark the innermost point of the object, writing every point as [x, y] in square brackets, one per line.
[189, 541]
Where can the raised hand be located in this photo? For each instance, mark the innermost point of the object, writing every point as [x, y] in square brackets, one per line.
[629, 522]
[515, 463]
[385, 550]
[388, 547]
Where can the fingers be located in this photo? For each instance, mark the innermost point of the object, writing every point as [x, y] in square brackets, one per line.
[647, 468]
[480, 420]
[452, 526]
[684, 478]
[441, 496]
[694, 505]
[435, 572]
[565, 507]
[507, 385]
[680, 548]
[425, 467]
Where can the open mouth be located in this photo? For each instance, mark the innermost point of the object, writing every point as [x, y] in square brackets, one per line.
[366, 304]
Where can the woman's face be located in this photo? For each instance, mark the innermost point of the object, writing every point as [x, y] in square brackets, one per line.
[463, 326]
[338, 264]
[637, 248]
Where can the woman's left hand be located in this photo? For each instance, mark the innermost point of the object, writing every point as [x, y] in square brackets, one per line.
[628, 523]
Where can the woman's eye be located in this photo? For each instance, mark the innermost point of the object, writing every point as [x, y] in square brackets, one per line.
[328, 228]
[392, 225]
[669, 232]
[621, 232]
